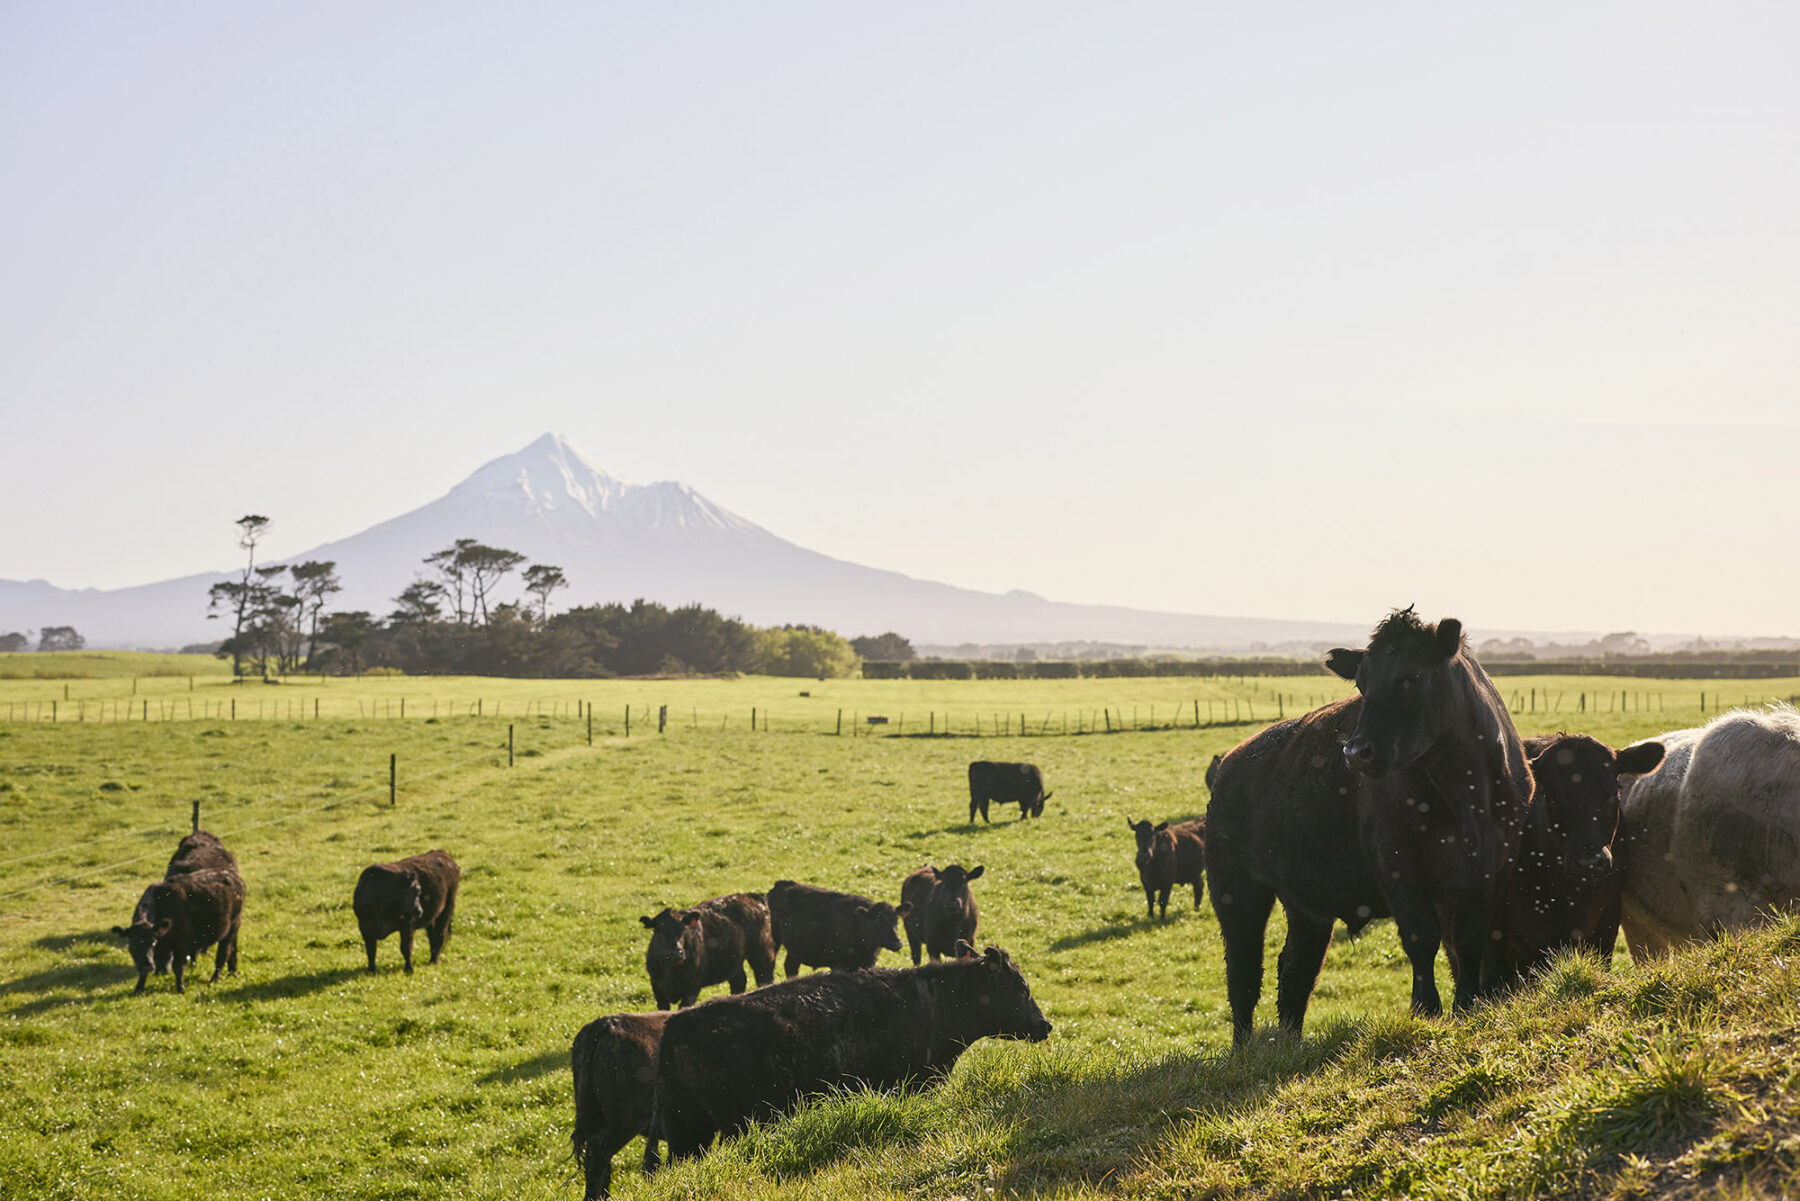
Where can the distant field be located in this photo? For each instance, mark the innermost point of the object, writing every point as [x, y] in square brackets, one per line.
[106, 665]
[305, 1077]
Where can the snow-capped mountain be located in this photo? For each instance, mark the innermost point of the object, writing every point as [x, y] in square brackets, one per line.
[617, 541]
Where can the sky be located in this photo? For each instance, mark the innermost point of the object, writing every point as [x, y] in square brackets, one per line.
[1292, 310]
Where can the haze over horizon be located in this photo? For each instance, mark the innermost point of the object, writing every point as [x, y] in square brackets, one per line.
[1295, 312]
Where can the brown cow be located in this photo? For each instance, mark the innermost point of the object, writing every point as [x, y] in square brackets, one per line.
[735, 1059]
[941, 910]
[614, 1062]
[1565, 890]
[177, 919]
[405, 895]
[691, 949]
[837, 930]
[1170, 855]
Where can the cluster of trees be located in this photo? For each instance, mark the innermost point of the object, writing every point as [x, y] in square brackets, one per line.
[451, 622]
[50, 638]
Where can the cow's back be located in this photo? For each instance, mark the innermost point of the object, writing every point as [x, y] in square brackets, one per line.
[200, 851]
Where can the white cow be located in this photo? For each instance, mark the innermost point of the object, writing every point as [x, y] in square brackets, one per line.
[1712, 837]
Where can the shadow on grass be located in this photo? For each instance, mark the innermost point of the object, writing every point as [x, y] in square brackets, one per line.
[300, 984]
[529, 1069]
[1104, 933]
[85, 938]
[72, 984]
[965, 828]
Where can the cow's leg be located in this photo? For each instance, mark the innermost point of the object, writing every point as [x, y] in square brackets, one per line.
[219, 957]
[738, 981]
[1469, 935]
[762, 964]
[369, 941]
[1149, 900]
[439, 930]
[1199, 888]
[1162, 900]
[142, 976]
[1605, 935]
[915, 944]
[793, 965]
[179, 967]
[231, 963]
[602, 1145]
[1416, 921]
[1243, 909]
[1297, 970]
[406, 939]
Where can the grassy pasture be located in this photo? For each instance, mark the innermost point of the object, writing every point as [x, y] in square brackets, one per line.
[303, 1076]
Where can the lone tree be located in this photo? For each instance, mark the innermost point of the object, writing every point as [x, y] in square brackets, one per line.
[14, 642]
[486, 567]
[541, 579]
[239, 597]
[60, 638]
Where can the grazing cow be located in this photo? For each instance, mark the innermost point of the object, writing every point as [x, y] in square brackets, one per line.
[691, 949]
[838, 930]
[1712, 837]
[735, 1059]
[1006, 783]
[941, 911]
[418, 891]
[198, 852]
[614, 1061]
[1564, 892]
[178, 919]
[1409, 800]
[1170, 855]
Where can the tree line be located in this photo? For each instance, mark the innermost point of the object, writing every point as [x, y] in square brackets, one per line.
[451, 622]
[50, 638]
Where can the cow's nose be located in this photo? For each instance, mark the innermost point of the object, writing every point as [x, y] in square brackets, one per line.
[1359, 754]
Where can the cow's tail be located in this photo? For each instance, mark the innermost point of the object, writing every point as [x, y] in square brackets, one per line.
[588, 1115]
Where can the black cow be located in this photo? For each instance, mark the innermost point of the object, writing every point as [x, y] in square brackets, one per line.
[614, 1062]
[1566, 890]
[1007, 783]
[198, 852]
[418, 891]
[1170, 855]
[942, 910]
[1409, 800]
[691, 949]
[177, 919]
[838, 930]
[735, 1059]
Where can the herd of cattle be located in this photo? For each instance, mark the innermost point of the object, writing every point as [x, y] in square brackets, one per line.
[1415, 799]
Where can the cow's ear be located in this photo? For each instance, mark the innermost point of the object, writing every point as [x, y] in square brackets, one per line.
[1449, 637]
[904, 908]
[649, 922]
[1131, 825]
[965, 949]
[121, 931]
[691, 918]
[1641, 758]
[1344, 662]
[977, 871]
[164, 926]
[1160, 827]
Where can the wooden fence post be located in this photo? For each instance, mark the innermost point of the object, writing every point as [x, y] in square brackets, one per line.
[196, 817]
[590, 717]
[509, 746]
[393, 779]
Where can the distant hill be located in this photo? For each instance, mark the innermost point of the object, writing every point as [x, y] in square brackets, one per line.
[665, 542]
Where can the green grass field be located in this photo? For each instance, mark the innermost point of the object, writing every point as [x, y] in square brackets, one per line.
[305, 1077]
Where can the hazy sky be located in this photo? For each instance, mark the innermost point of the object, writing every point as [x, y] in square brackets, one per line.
[1293, 310]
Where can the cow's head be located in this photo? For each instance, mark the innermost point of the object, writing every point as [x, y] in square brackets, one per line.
[140, 938]
[879, 923]
[1006, 999]
[1146, 835]
[1577, 802]
[676, 936]
[1406, 677]
[953, 884]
